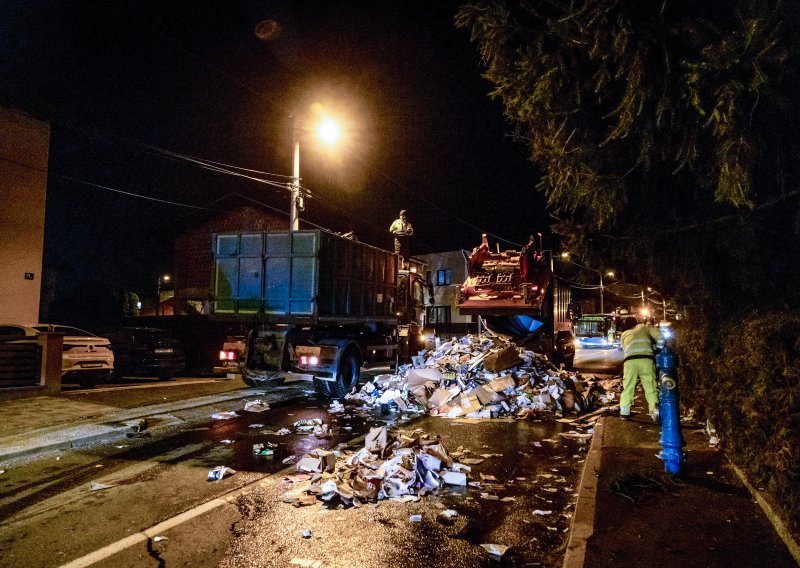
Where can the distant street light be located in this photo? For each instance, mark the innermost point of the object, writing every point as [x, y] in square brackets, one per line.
[165, 278]
[328, 131]
[610, 274]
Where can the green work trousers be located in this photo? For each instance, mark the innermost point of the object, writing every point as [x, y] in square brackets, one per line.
[645, 371]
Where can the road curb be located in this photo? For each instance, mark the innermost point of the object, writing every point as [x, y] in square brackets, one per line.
[583, 521]
[777, 523]
[104, 428]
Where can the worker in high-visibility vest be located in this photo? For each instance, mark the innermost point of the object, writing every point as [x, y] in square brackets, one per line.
[638, 342]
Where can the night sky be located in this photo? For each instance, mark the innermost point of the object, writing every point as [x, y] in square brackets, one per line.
[126, 83]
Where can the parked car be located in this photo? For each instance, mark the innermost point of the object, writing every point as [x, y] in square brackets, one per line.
[87, 359]
[565, 349]
[146, 352]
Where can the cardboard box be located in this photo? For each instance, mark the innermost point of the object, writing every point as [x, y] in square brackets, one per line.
[502, 383]
[502, 360]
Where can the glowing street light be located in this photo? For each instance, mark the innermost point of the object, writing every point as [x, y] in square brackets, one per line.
[328, 131]
[165, 278]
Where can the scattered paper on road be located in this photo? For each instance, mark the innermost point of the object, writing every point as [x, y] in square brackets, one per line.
[496, 550]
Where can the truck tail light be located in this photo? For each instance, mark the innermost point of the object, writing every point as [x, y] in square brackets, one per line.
[228, 355]
[309, 360]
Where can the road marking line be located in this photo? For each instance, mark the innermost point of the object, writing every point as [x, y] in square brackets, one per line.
[179, 519]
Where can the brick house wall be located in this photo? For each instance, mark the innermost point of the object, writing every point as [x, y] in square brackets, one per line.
[193, 274]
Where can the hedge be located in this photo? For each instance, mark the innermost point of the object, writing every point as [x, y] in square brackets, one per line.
[744, 376]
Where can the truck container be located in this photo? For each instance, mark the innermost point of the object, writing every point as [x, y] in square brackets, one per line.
[319, 305]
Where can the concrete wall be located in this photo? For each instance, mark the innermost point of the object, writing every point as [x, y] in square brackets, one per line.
[447, 295]
[24, 148]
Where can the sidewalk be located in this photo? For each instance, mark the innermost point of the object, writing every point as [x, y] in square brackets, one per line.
[630, 513]
[44, 424]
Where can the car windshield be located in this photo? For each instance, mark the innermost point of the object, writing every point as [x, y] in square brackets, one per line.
[66, 330]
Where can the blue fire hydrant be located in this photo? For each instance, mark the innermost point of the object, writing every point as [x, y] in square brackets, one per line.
[672, 442]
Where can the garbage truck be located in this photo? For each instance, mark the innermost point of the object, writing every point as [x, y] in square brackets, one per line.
[315, 307]
[516, 295]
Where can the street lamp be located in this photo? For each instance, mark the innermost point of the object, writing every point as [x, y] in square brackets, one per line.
[610, 274]
[328, 131]
[165, 278]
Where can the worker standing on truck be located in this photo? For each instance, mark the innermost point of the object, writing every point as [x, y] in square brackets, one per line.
[402, 230]
[638, 341]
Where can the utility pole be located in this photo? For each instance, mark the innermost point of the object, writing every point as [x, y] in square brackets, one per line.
[294, 217]
[602, 310]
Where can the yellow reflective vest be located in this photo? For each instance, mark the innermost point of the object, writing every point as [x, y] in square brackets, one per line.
[638, 343]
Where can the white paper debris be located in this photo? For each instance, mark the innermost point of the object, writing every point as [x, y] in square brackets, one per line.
[228, 415]
[256, 406]
[219, 472]
[496, 550]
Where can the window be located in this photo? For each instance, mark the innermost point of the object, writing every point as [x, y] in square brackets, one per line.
[439, 314]
[443, 277]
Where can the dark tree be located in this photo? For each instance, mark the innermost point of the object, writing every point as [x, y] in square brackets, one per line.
[667, 134]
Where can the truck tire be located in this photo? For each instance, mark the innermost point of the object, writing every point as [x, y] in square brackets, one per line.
[323, 388]
[569, 363]
[347, 375]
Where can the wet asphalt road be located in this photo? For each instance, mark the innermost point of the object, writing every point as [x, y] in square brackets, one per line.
[49, 516]
[608, 361]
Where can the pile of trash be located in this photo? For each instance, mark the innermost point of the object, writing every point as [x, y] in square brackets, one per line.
[482, 378]
[402, 466]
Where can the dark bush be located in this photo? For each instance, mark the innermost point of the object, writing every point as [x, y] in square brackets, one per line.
[745, 377]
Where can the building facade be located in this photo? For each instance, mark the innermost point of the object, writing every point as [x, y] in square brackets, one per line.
[447, 272]
[24, 154]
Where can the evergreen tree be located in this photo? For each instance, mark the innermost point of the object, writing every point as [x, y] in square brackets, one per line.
[667, 134]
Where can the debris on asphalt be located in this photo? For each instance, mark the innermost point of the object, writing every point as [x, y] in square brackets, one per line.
[219, 472]
[483, 378]
[401, 466]
[713, 440]
[495, 550]
[542, 513]
[261, 450]
[95, 486]
[447, 517]
[415, 518]
[227, 415]
[226, 441]
[306, 563]
[140, 425]
[256, 425]
[256, 405]
[307, 424]
[159, 538]
[306, 533]
[283, 432]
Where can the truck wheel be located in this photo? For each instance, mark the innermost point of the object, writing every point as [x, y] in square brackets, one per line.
[323, 388]
[569, 363]
[347, 375]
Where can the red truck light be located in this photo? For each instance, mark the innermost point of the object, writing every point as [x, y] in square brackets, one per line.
[228, 355]
[309, 360]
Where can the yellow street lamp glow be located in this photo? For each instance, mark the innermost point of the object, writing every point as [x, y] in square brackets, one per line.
[329, 131]
[165, 278]
[610, 273]
[565, 255]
